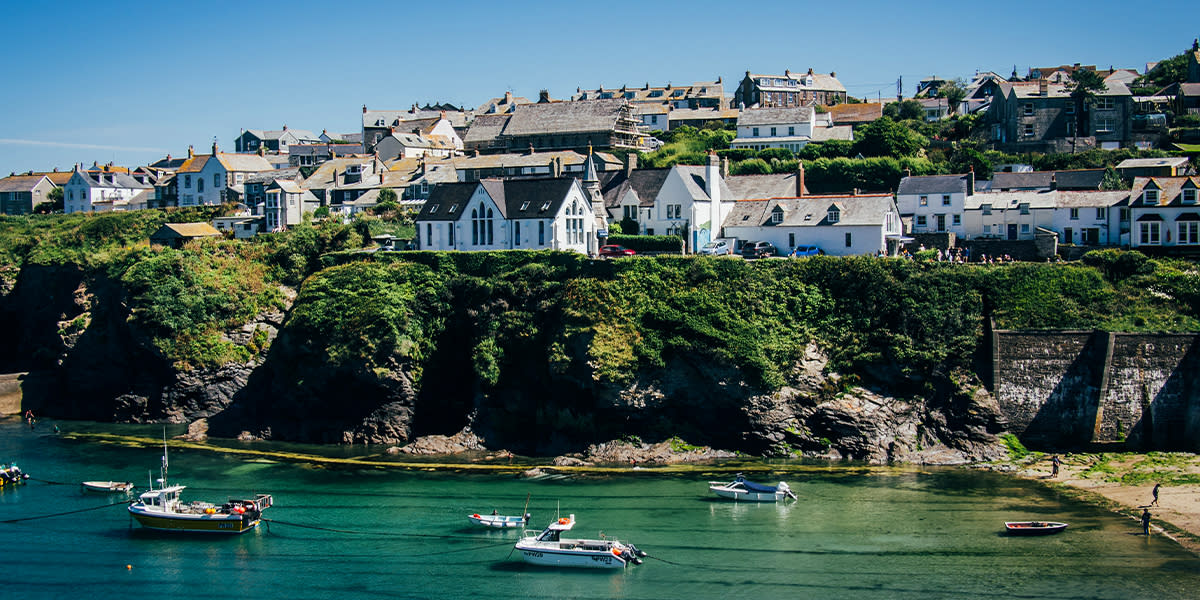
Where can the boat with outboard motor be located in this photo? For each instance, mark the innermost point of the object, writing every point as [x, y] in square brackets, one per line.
[1033, 527]
[498, 521]
[741, 489]
[107, 487]
[550, 548]
[161, 509]
[11, 475]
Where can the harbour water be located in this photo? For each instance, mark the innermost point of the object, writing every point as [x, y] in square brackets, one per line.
[388, 533]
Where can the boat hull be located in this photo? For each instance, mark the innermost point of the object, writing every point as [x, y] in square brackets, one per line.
[215, 523]
[107, 487]
[1033, 528]
[740, 494]
[497, 521]
[585, 559]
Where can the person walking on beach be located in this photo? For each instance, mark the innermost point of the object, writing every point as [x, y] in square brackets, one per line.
[1154, 502]
[1054, 463]
[1146, 521]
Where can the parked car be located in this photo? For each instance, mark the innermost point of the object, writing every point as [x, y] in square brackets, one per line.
[806, 251]
[717, 247]
[758, 250]
[613, 251]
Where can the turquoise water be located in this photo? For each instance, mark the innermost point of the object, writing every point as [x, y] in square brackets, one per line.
[925, 534]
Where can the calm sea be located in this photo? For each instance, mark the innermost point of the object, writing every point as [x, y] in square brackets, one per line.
[921, 534]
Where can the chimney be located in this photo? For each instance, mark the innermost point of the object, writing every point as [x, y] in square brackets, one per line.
[508, 97]
[1043, 87]
[1054, 181]
[555, 167]
[381, 178]
[712, 177]
[285, 126]
[724, 168]
[800, 179]
[630, 163]
[543, 96]
[855, 192]
[908, 172]
[262, 150]
[531, 147]
[364, 109]
[191, 152]
[833, 74]
[214, 148]
[971, 181]
[810, 71]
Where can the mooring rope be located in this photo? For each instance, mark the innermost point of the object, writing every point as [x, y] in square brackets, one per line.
[69, 512]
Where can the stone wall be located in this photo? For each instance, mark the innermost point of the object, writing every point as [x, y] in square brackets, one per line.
[10, 394]
[1071, 388]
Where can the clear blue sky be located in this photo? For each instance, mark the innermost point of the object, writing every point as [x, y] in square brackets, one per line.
[129, 82]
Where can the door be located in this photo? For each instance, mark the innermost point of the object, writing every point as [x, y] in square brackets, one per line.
[1012, 231]
[941, 222]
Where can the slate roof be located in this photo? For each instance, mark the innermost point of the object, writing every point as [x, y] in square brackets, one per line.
[59, 178]
[757, 187]
[847, 113]
[529, 198]
[268, 176]
[775, 116]
[537, 159]
[501, 105]
[98, 179]
[693, 178]
[447, 201]
[1170, 194]
[646, 93]
[1136, 163]
[702, 114]
[646, 183]
[811, 211]
[822, 82]
[486, 128]
[839, 132]
[1189, 89]
[564, 117]
[1045, 199]
[1032, 89]
[301, 134]
[932, 184]
[323, 176]
[1077, 179]
[396, 118]
[20, 183]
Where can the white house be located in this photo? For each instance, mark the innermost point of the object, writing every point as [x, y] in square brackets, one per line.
[205, 179]
[681, 200]
[515, 214]
[791, 128]
[935, 203]
[841, 225]
[104, 190]
[398, 145]
[1079, 217]
[1165, 212]
[285, 204]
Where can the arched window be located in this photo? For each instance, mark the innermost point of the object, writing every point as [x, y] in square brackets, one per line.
[474, 226]
[490, 231]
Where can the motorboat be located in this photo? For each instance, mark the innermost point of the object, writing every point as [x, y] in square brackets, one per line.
[11, 475]
[741, 489]
[107, 487]
[1033, 527]
[499, 521]
[552, 548]
[161, 509]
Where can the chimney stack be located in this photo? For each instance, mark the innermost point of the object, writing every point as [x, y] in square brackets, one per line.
[191, 152]
[214, 148]
[543, 96]
[800, 179]
[1043, 87]
[971, 181]
[508, 97]
[631, 160]
[364, 109]
[1054, 181]
[725, 168]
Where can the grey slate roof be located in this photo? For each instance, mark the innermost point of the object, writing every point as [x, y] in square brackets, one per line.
[1078, 179]
[757, 187]
[645, 182]
[811, 211]
[20, 183]
[486, 128]
[113, 180]
[447, 201]
[564, 117]
[694, 179]
[516, 198]
[933, 184]
[774, 116]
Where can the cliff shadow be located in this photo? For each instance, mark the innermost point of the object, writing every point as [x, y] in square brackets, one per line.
[1068, 416]
[1170, 417]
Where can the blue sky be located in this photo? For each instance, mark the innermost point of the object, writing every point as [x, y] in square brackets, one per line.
[129, 82]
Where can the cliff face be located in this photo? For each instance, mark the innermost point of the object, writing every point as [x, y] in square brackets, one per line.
[76, 331]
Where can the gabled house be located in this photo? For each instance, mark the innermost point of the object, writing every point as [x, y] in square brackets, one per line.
[531, 164]
[253, 140]
[311, 155]
[1165, 213]
[1089, 218]
[285, 204]
[1041, 116]
[790, 127]
[841, 225]
[413, 145]
[206, 179]
[549, 126]
[378, 124]
[1074, 179]
[789, 89]
[682, 200]
[702, 94]
[255, 185]
[175, 235]
[856, 114]
[19, 194]
[934, 203]
[334, 181]
[100, 190]
[514, 214]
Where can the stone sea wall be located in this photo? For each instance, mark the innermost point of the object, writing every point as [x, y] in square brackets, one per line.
[1066, 388]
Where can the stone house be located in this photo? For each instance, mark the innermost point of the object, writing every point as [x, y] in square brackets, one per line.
[789, 89]
[1040, 116]
[554, 126]
[104, 189]
[787, 127]
[253, 140]
[702, 94]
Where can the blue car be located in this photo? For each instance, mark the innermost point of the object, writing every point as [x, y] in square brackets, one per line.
[806, 251]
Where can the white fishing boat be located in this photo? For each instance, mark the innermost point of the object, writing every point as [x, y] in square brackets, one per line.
[741, 489]
[107, 487]
[498, 521]
[551, 548]
[11, 475]
[161, 509]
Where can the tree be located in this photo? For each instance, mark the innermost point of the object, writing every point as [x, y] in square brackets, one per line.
[1113, 181]
[53, 203]
[885, 137]
[954, 92]
[908, 110]
[1083, 87]
[1166, 72]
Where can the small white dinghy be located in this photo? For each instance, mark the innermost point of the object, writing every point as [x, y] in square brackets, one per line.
[740, 489]
[498, 521]
[550, 548]
[107, 487]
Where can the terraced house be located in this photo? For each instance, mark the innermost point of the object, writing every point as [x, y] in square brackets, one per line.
[1165, 213]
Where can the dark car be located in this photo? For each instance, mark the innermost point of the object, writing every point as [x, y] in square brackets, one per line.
[613, 251]
[758, 250]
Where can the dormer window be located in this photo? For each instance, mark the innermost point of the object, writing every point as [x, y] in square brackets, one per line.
[808, 81]
[777, 215]
[834, 215]
[987, 209]
[525, 205]
[1189, 196]
[1024, 207]
[1150, 196]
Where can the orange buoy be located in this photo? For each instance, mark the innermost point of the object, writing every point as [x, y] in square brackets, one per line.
[616, 551]
[563, 521]
[476, 515]
[128, 567]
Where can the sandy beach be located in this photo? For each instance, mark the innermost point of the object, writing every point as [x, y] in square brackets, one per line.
[1124, 483]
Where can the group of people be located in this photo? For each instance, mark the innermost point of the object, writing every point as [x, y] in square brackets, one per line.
[1055, 463]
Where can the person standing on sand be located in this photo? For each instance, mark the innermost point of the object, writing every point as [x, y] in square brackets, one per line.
[1054, 463]
[1146, 521]
[1154, 502]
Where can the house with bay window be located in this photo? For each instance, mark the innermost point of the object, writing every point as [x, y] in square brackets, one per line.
[1165, 213]
[508, 214]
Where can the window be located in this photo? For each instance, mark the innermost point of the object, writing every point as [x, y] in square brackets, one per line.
[187, 181]
[1027, 109]
[754, 132]
[791, 130]
[541, 233]
[777, 215]
[924, 201]
[1149, 231]
[1024, 207]
[516, 233]
[987, 208]
[450, 234]
[429, 235]
[848, 240]
[1027, 130]
[772, 132]
[956, 219]
[920, 220]
[987, 230]
[199, 184]
[1124, 214]
[453, 208]
[216, 180]
[630, 212]
[1105, 124]
[1101, 213]
[1024, 228]
[945, 199]
[1074, 214]
[1189, 233]
[1070, 109]
[1105, 104]
[834, 215]
[1068, 236]
[1150, 196]
[1189, 196]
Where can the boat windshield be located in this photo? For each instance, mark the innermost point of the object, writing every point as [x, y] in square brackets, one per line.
[549, 535]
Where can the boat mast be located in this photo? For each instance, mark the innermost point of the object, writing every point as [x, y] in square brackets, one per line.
[164, 459]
